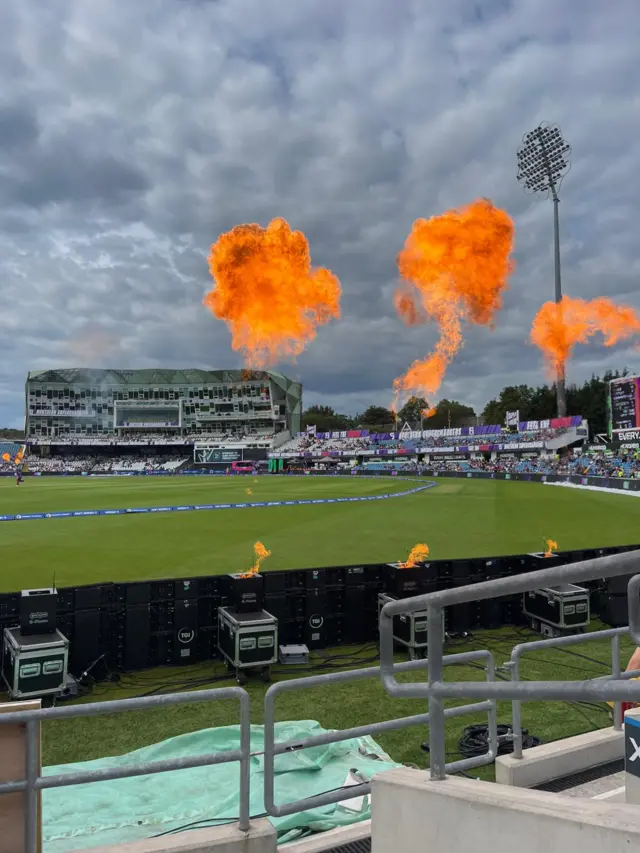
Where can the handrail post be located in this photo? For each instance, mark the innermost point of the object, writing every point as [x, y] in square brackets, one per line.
[516, 708]
[492, 721]
[31, 793]
[436, 704]
[615, 671]
[633, 603]
[245, 763]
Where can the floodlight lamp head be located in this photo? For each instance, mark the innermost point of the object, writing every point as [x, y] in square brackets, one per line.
[543, 159]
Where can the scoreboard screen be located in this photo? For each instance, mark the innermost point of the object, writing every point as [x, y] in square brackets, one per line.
[624, 404]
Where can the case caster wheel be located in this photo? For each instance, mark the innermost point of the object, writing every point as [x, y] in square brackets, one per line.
[241, 677]
[535, 626]
[265, 675]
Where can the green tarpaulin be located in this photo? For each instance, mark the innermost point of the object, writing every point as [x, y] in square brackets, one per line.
[123, 810]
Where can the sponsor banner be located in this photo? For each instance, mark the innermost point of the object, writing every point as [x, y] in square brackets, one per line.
[64, 413]
[134, 510]
[218, 455]
[632, 435]
[552, 423]
[485, 429]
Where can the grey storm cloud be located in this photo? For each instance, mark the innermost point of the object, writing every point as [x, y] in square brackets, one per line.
[133, 134]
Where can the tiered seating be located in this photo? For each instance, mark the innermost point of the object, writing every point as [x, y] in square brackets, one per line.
[600, 466]
[79, 463]
[58, 464]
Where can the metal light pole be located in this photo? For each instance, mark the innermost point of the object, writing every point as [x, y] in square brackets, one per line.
[543, 160]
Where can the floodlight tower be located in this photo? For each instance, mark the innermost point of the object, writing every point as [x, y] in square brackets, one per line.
[543, 161]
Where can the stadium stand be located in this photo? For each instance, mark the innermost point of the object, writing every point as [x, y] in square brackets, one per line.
[160, 405]
[73, 463]
[594, 462]
[597, 463]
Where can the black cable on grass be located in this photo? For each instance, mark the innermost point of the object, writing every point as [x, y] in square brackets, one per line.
[475, 740]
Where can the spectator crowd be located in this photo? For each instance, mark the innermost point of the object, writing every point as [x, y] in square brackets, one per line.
[77, 463]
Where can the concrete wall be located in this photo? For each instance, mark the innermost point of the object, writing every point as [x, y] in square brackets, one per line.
[411, 814]
[13, 746]
[560, 758]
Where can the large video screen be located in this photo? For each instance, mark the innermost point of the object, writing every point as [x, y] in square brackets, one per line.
[624, 404]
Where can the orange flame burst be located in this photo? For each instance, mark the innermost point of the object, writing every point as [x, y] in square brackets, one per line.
[458, 263]
[267, 292]
[418, 554]
[429, 413]
[558, 327]
[6, 457]
[549, 547]
[261, 553]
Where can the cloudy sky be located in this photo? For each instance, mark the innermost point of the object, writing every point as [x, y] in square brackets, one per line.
[133, 133]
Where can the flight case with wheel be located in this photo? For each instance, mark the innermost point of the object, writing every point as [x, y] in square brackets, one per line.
[35, 665]
[557, 610]
[248, 642]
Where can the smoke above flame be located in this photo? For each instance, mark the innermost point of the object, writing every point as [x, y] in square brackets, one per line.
[455, 268]
[558, 327]
[418, 554]
[268, 293]
[549, 547]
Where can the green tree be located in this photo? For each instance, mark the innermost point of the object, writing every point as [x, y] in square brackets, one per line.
[325, 419]
[513, 398]
[588, 400]
[412, 410]
[13, 434]
[543, 404]
[450, 413]
[376, 417]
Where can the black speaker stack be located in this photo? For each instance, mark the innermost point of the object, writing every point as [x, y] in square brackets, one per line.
[133, 626]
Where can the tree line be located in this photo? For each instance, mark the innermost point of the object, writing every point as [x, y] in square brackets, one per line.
[11, 434]
[534, 403]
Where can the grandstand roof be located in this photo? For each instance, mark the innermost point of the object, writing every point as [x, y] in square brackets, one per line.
[153, 376]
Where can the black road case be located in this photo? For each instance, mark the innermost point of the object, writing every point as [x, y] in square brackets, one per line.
[35, 665]
[557, 610]
[409, 629]
[248, 640]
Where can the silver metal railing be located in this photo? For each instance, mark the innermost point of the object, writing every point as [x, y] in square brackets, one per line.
[272, 749]
[513, 665]
[436, 690]
[485, 693]
[33, 782]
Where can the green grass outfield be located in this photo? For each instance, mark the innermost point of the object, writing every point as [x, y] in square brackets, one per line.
[337, 707]
[458, 518]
